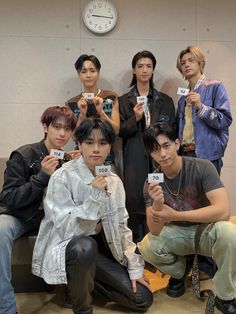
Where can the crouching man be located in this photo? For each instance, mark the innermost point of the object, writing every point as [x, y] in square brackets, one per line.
[190, 195]
[84, 240]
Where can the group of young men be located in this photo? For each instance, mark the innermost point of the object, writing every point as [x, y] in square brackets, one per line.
[84, 236]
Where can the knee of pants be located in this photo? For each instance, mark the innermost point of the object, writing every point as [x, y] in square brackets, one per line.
[143, 298]
[226, 233]
[82, 250]
[153, 252]
[7, 228]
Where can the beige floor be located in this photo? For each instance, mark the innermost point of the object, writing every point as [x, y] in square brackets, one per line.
[44, 303]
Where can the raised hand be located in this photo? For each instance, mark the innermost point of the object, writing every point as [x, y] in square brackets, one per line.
[138, 111]
[49, 164]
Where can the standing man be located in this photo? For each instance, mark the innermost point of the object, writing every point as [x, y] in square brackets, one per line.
[137, 113]
[204, 113]
[93, 101]
[191, 195]
[25, 180]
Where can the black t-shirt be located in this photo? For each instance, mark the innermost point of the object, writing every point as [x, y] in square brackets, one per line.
[197, 178]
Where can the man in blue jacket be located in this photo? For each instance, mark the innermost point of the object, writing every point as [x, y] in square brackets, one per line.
[204, 113]
[25, 180]
[203, 118]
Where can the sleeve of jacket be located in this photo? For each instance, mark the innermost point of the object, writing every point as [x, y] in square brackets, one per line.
[217, 116]
[128, 123]
[20, 190]
[135, 261]
[68, 216]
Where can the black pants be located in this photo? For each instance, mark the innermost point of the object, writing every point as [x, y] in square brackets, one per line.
[90, 264]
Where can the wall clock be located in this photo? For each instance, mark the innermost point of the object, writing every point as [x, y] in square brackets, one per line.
[100, 16]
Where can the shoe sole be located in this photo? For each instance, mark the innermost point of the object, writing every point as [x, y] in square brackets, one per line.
[67, 306]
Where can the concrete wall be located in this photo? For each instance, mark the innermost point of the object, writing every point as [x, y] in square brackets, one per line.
[40, 41]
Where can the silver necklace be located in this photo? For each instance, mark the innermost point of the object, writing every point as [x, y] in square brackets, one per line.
[179, 186]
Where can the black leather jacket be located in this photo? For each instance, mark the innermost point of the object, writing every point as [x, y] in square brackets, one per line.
[25, 183]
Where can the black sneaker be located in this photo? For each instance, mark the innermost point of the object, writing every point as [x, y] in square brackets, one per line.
[176, 287]
[225, 306]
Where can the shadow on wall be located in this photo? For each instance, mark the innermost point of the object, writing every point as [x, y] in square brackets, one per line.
[72, 87]
[170, 88]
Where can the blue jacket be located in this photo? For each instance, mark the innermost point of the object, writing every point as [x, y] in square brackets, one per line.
[211, 123]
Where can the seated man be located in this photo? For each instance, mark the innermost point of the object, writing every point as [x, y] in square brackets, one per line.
[25, 179]
[190, 196]
[84, 240]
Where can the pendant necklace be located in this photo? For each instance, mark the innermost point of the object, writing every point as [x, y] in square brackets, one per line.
[179, 186]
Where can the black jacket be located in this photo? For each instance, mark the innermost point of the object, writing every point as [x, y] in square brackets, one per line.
[25, 183]
[136, 162]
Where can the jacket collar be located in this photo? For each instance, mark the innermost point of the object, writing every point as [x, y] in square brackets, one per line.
[153, 93]
[43, 148]
[201, 80]
[85, 173]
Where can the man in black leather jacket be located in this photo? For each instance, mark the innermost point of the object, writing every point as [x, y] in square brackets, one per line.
[25, 179]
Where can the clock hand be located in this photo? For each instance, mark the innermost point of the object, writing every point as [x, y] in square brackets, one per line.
[108, 17]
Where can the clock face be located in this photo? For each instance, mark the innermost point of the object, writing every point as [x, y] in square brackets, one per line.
[100, 16]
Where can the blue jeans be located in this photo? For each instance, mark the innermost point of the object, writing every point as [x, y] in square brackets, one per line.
[11, 228]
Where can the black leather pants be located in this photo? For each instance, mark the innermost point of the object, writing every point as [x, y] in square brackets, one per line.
[111, 281]
[80, 268]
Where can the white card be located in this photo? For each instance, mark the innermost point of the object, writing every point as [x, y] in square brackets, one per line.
[88, 96]
[57, 153]
[155, 177]
[182, 91]
[141, 99]
[103, 169]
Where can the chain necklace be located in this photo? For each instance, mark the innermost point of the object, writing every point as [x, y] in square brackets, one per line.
[179, 186]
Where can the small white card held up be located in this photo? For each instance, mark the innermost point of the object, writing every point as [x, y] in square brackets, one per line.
[182, 91]
[141, 99]
[103, 169]
[57, 153]
[88, 96]
[155, 177]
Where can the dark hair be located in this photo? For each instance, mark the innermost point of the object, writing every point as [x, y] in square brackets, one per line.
[86, 127]
[52, 114]
[80, 61]
[151, 133]
[136, 58]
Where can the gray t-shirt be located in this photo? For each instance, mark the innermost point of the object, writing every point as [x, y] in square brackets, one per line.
[197, 178]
